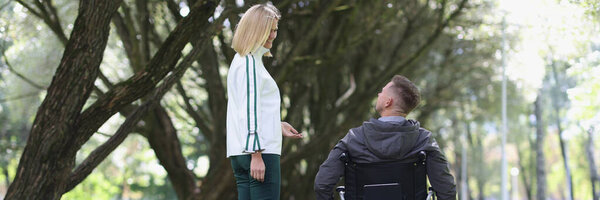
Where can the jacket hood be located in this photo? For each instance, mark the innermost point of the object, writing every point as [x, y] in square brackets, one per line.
[394, 140]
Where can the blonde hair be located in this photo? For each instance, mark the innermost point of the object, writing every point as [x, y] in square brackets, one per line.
[254, 28]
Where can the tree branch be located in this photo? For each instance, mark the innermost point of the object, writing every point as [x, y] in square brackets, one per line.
[302, 44]
[4, 5]
[22, 96]
[105, 80]
[51, 19]
[216, 92]
[348, 92]
[202, 122]
[126, 32]
[48, 154]
[29, 8]
[100, 153]
[53, 13]
[145, 81]
[430, 41]
[143, 20]
[98, 91]
[174, 8]
[10, 68]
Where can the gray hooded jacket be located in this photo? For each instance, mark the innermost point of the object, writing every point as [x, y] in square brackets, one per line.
[377, 141]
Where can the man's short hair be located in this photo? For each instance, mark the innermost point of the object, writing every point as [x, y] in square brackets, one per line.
[408, 93]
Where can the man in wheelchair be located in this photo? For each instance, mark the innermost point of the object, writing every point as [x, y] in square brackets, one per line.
[389, 157]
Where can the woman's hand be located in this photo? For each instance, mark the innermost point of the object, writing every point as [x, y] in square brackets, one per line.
[257, 167]
[288, 131]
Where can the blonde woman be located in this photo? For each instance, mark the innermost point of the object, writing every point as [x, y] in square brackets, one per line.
[254, 126]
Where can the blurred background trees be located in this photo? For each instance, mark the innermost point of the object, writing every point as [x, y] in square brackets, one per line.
[165, 138]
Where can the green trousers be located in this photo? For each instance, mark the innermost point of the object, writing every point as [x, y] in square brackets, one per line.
[249, 188]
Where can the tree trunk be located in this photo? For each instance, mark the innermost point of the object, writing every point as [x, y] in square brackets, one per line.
[163, 139]
[219, 182]
[49, 155]
[523, 173]
[532, 167]
[158, 129]
[590, 154]
[478, 167]
[565, 155]
[563, 148]
[465, 181]
[167, 148]
[318, 93]
[539, 148]
[480, 195]
[61, 127]
[213, 186]
[6, 178]
[459, 161]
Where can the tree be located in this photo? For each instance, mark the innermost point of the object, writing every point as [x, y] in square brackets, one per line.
[594, 179]
[539, 144]
[48, 159]
[585, 72]
[42, 155]
[558, 100]
[331, 58]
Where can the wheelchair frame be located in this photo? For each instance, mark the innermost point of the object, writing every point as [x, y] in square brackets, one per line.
[382, 172]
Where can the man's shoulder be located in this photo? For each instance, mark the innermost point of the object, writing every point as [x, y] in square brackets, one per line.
[354, 136]
[424, 130]
[359, 129]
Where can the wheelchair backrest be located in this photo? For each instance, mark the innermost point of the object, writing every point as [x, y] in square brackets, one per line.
[395, 179]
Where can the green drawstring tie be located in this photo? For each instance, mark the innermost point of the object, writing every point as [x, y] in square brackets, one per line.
[256, 141]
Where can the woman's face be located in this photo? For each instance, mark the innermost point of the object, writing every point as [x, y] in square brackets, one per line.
[272, 35]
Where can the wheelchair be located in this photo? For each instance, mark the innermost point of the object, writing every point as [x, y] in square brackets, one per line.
[397, 180]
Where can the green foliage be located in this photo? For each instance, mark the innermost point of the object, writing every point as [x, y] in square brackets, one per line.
[592, 7]
[130, 172]
[322, 47]
[585, 95]
[98, 186]
[579, 161]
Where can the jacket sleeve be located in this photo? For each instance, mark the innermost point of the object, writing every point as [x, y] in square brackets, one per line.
[438, 172]
[246, 94]
[329, 173]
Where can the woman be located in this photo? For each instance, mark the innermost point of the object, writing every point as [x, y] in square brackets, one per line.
[254, 126]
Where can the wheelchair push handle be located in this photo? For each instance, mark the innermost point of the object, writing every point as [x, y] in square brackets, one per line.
[430, 194]
[341, 190]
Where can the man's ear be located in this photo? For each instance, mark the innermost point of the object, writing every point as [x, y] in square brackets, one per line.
[389, 102]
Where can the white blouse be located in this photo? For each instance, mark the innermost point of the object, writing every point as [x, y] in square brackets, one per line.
[253, 107]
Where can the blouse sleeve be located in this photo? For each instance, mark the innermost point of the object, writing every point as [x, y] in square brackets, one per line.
[246, 94]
